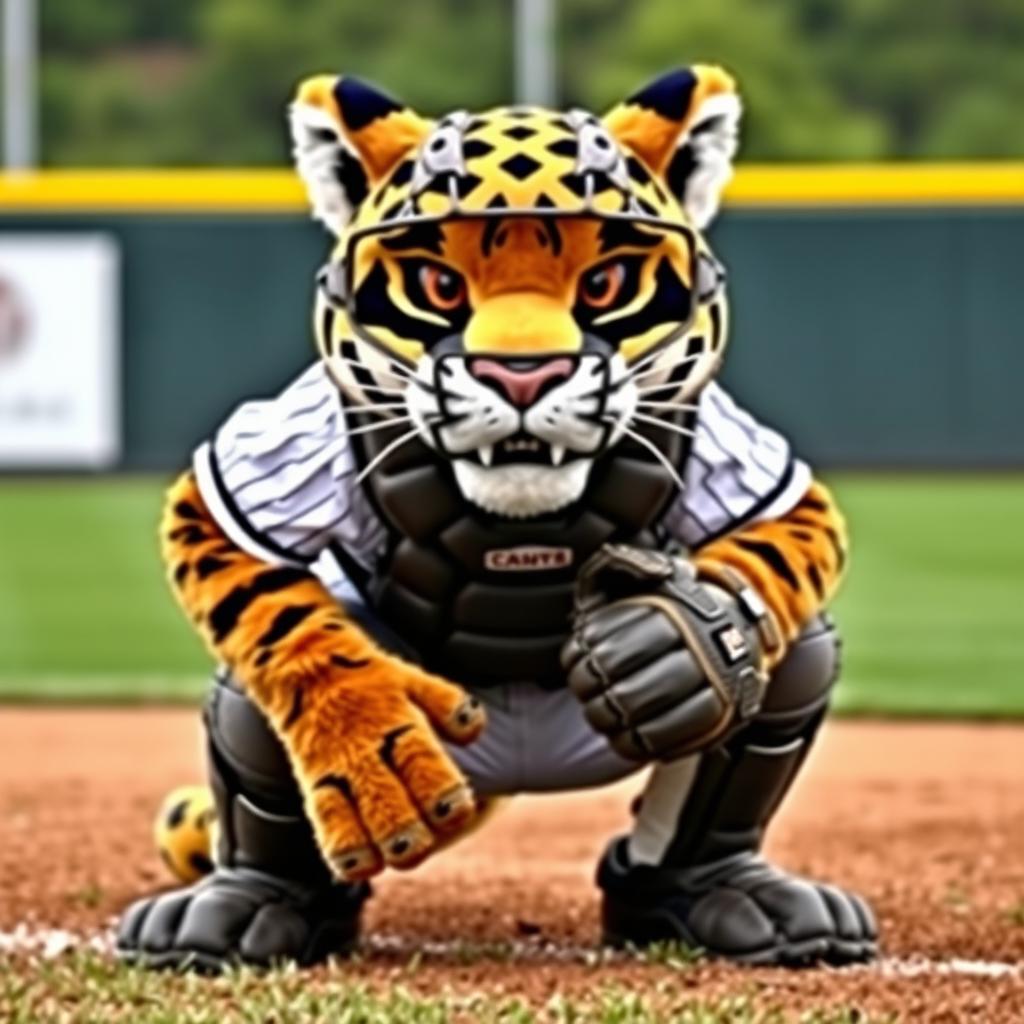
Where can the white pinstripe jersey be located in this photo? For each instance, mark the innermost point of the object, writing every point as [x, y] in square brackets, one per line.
[279, 478]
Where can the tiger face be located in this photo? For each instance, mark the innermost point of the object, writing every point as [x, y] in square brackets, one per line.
[521, 288]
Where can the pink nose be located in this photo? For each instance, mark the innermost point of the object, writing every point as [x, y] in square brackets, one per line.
[521, 380]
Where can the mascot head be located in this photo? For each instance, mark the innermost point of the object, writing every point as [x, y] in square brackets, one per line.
[519, 289]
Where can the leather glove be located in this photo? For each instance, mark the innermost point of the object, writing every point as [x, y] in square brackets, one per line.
[663, 663]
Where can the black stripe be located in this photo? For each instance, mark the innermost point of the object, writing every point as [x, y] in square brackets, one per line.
[188, 535]
[284, 622]
[758, 507]
[295, 711]
[186, 510]
[670, 301]
[809, 502]
[208, 565]
[374, 308]
[226, 613]
[327, 328]
[231, 506]
[417, 236]
[773, 556]
[680, 168]
[716, 324]
[341, 784]
[815, 577]
[180, 572]
[342, 662]
[387, 747]
[837, 546]
[349, 174]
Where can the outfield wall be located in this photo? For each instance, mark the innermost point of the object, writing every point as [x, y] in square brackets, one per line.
[877, 312]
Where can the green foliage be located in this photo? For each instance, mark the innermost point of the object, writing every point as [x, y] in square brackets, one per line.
[190, 82]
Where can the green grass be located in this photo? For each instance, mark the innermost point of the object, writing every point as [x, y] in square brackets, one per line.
[932, 610]
[85, 987]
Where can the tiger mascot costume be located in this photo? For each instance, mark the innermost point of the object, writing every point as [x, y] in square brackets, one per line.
[507, 535]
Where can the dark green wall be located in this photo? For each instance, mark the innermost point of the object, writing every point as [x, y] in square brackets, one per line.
[874, 337]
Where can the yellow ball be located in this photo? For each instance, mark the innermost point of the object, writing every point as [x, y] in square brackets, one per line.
[184, 831]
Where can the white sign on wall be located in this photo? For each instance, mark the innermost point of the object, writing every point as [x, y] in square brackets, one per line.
[59, 350]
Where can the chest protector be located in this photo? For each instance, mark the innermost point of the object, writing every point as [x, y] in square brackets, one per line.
[484, 599]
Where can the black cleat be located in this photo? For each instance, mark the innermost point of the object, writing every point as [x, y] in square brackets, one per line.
[740, 908]
[241, 916]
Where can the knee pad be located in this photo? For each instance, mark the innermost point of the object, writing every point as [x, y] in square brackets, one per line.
[801, 685]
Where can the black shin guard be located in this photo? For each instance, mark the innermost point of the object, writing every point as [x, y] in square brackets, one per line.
[270, 897]
[738, 787]
[259, 806]
[709, 887]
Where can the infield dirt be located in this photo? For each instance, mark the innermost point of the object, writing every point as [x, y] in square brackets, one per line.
[926, 820]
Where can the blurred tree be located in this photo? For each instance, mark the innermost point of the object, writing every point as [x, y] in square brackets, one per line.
[206, 81]
[792, 110]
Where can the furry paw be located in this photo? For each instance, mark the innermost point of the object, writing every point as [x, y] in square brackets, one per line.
[378, 785]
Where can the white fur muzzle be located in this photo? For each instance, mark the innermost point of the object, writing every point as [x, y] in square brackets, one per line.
[521, 462]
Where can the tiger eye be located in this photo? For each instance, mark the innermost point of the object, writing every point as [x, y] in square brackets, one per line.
[444, 288]
[601, 286]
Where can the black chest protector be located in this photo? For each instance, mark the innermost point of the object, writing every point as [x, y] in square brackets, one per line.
[484, 599]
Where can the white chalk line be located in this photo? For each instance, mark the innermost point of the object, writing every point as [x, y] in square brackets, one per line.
[50, 943]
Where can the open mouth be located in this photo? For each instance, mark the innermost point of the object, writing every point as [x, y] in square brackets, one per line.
[521, 448]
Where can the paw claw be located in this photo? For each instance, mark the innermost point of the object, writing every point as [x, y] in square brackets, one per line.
[469, 716]
[408, 846]
[356, 863]
[453, 809]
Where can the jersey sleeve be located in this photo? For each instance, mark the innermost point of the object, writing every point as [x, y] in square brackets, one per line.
[738, 471]
[279, 478]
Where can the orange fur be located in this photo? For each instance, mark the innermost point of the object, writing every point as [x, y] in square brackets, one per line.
[382, 142]
[652, 136]
[794, 562]
[359, 724]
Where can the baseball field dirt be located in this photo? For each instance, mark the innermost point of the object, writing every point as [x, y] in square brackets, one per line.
[927, 820]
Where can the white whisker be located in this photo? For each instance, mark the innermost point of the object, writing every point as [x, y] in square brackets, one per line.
[668, 366]
[651, 389]
[396, 370]
[651, 357]
[381, 390]
[671, 427]
[658, 454]
[682, 406]
[371, 407]
[385, 452]
[394, 421]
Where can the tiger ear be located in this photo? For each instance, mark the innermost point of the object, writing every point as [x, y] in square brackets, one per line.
[346, 137]
[685, 127]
